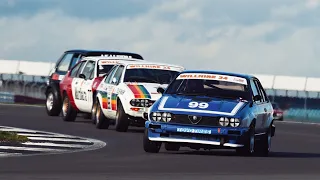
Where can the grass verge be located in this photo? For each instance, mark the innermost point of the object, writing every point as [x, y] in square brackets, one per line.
[12, 137]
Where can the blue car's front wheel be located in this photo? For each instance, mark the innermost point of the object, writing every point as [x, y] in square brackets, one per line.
[150, 146]
[249, 142]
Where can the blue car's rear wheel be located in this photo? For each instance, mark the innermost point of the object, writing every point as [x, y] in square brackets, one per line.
[264, 144]
[150, 146]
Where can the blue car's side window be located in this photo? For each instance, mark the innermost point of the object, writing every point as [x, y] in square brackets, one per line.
[262, 92]
[254, 88]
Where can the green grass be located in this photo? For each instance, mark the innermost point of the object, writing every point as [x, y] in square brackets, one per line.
[12, 137]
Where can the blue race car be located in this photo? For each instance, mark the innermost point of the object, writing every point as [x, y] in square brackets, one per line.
[208, 109]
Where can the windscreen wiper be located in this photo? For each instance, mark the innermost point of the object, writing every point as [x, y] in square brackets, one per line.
[190, 94]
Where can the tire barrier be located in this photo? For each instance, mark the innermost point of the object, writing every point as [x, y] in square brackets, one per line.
[11, 98]
[28, 100]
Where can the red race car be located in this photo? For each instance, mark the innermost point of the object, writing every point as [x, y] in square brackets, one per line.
[78, 87]
[277, 112]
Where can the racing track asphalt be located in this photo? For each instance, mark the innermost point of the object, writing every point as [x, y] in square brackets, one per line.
[295, 154]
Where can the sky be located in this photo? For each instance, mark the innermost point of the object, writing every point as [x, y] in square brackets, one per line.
[276, 37]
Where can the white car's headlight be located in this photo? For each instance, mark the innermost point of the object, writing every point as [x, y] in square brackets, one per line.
[141, 102]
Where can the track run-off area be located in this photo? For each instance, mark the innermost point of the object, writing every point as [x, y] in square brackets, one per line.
[295, 154]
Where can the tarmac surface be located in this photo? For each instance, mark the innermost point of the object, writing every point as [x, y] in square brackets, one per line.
[295, 154]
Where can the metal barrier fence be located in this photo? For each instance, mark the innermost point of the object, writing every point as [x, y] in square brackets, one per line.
[298, 105]
[23, 85]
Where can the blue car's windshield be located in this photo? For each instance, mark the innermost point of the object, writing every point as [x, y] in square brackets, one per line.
[210, 85]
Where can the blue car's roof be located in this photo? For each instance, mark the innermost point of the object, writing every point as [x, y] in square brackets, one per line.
[88, 52]
[247, 76]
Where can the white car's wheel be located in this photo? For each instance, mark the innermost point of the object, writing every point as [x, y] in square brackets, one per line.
[68, 112]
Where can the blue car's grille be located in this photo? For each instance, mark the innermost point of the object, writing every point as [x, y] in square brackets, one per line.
[205, 120]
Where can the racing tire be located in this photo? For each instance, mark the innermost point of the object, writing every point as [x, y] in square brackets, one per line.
[150, 146]
[264, 144]
[53, 106]
[122, 119]
[171, 146]
[93, 112]
[68, 112]
[249, 143]
[101, 121]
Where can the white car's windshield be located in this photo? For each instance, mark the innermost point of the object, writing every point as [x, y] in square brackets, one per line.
[142, 75]
[103, 69]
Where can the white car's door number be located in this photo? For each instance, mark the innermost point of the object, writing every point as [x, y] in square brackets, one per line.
[201, 105]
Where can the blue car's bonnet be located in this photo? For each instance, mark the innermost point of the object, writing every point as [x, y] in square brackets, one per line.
[191, 105]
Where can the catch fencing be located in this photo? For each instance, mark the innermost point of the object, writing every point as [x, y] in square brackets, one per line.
[23, 81]
[299, 96]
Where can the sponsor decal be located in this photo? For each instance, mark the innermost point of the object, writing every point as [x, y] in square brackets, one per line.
[120, 91]
[139, 91]
[154, 66]
[102, 62]
[104, 97]
[80, 95]
[190, 130]
[114, 101]
[218, 77]
[116, 56]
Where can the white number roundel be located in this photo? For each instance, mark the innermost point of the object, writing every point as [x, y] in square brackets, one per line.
[201, 105]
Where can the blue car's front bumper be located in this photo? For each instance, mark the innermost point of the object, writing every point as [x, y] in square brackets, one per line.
[218, 136]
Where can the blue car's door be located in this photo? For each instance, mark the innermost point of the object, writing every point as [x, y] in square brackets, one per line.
[267, 107]
[258, 106]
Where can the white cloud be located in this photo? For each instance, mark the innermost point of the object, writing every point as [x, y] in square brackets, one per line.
[192, 33]
[312, 4]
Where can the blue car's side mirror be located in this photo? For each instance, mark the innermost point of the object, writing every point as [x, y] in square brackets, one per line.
[160, 90]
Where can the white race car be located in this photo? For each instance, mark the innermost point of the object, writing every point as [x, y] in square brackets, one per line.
[128, 91]
[78, 87]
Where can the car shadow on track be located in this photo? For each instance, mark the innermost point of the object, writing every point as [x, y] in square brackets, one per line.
[131, 129]
[136, 130]
[233, 153]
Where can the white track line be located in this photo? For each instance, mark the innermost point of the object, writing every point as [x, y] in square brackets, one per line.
[43, 135]
[27, 105]
[297, 122]
[9, 154]
[17, 130]
[54, 145]
[30, 149]
[59, 139]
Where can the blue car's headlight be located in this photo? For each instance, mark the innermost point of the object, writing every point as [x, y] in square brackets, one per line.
[233, 122]
[158, 116]
[223, 121]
